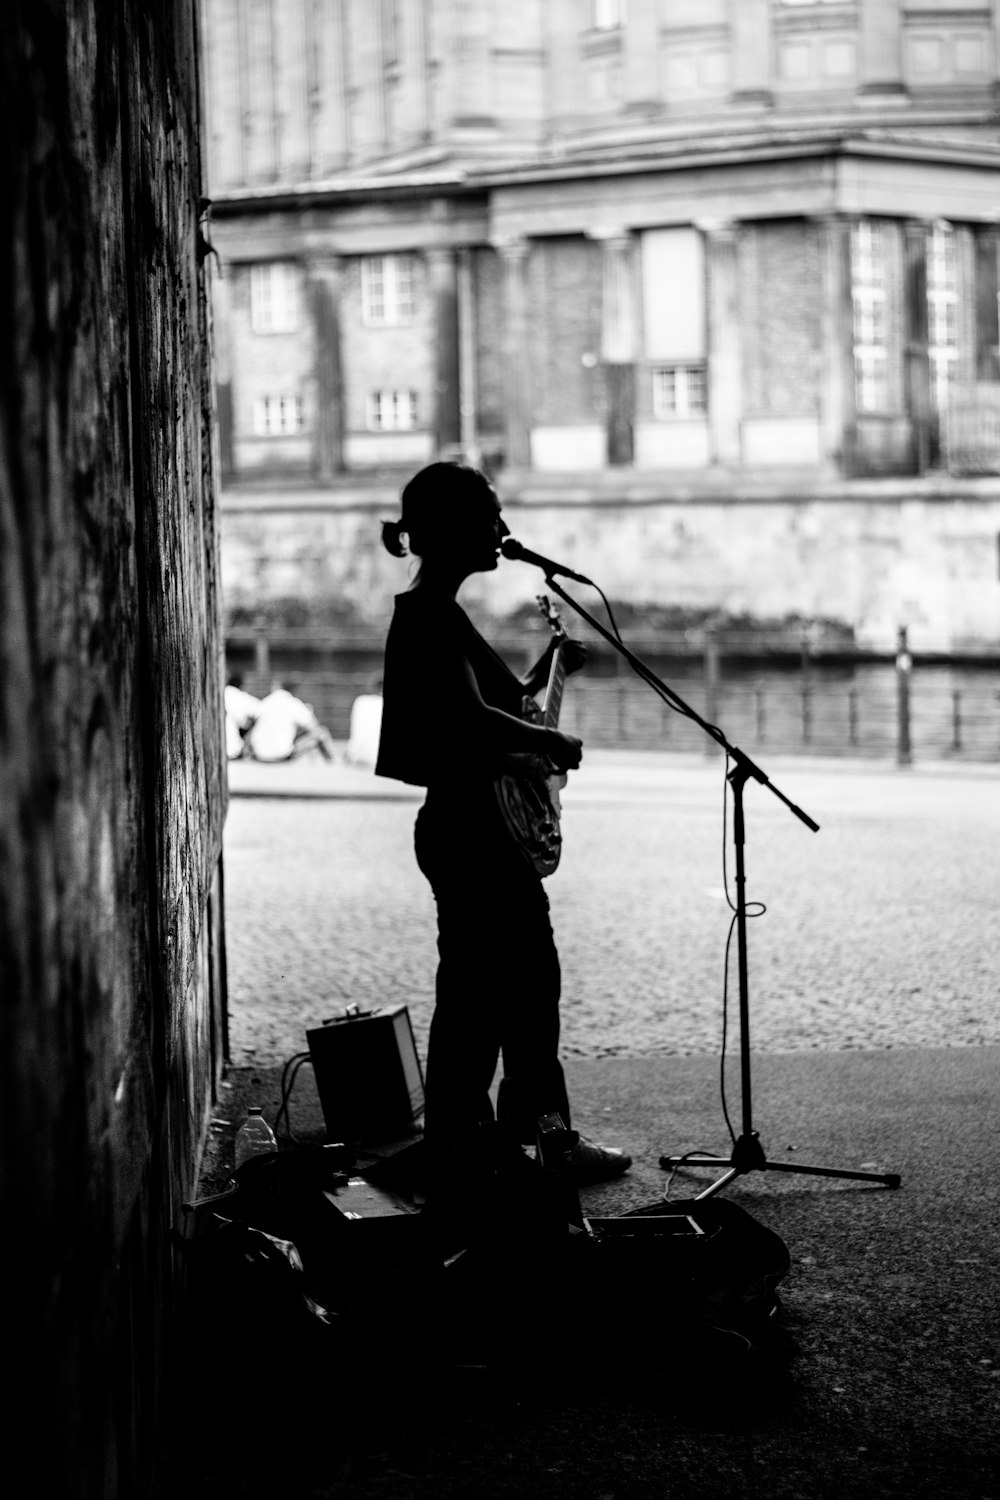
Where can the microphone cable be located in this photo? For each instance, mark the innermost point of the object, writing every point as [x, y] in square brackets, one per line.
[753, 908]
[759, 912]
[288, 1077]
[646, 674]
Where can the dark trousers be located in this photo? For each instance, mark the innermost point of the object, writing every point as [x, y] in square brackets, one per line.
[498, 978]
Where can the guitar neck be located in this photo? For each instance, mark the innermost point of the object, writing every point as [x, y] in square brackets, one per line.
[554, 689]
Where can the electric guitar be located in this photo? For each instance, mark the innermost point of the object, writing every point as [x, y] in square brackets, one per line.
[528, 790]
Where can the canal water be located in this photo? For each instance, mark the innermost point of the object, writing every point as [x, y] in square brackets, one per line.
[849, 708]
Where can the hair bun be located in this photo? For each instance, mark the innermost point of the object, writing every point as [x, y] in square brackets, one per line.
[392, 538]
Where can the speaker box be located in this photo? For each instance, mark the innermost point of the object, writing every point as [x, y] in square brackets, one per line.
[368, 1075]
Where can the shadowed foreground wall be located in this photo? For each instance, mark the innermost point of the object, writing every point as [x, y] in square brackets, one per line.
[111, 777]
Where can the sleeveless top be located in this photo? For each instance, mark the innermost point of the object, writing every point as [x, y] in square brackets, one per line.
[422, 740]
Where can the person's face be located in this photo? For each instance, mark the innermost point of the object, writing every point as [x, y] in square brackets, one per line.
[485, 533]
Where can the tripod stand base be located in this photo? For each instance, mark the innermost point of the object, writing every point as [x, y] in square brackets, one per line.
[748, 1156]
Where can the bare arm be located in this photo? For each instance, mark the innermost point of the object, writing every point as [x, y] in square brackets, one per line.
[499, 731]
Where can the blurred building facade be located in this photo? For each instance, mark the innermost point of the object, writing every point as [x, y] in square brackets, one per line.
[710, 285]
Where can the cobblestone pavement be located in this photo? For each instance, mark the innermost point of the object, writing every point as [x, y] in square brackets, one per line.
[880, 931]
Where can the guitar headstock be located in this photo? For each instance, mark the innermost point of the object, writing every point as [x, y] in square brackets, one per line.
[549, 612]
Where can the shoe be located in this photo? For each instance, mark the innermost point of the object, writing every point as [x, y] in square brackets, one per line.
[585, 1162]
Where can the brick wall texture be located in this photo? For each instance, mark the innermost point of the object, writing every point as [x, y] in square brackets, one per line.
[781, 302]
[564, 320]
[487, 281]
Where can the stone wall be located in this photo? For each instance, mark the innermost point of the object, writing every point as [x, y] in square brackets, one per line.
[865, 560]
[111, 777]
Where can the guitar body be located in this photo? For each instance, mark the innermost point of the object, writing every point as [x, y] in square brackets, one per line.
[528, 790]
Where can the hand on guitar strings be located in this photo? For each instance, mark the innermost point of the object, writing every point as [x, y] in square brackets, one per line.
[575, 654]
[565, 751]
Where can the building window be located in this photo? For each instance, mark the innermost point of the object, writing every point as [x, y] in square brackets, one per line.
[696, 71]
[869, 318]
[603, 81]
[274, 297]
[871, 359]
[386, 290]
[679, 391]
[942, 311]
[278, 416]
[673, 297]
[391, 411]
[605, 15]
[871, 379]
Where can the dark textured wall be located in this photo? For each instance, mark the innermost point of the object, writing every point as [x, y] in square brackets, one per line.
[111, 787]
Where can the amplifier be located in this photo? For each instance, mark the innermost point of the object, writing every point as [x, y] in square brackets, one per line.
[368, 1075]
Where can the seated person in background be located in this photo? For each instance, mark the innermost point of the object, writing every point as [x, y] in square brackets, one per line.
[242, 709]
[286, 728]
[366, 726]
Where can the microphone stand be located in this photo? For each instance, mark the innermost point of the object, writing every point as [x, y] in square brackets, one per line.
[748, 1153]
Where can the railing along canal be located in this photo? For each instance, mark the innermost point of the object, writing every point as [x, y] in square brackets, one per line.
[818, 703]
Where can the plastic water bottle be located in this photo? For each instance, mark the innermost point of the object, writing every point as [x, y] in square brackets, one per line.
[254, 1137]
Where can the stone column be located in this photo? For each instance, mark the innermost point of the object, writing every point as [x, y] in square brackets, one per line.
[916, 360]
[985, 237]
[618, 341]
[513, 253]
[838, 405]
[467, 344]
[328, 89]
[257, 67]
[642, 58]
[725, 375]
[366, 79]
[325, 275]
[880, 24]
[291, 93]
[411, 125]
[443, 276]
[750, 51]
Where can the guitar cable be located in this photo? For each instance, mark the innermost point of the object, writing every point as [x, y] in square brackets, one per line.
[287, 1085]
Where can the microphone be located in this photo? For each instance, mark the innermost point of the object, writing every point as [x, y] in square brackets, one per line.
[514, 552]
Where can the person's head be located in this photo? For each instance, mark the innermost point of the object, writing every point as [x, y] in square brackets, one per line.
[450, 517]
[235, 679]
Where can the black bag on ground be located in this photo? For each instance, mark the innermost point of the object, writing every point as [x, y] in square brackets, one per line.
[715, 1290]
